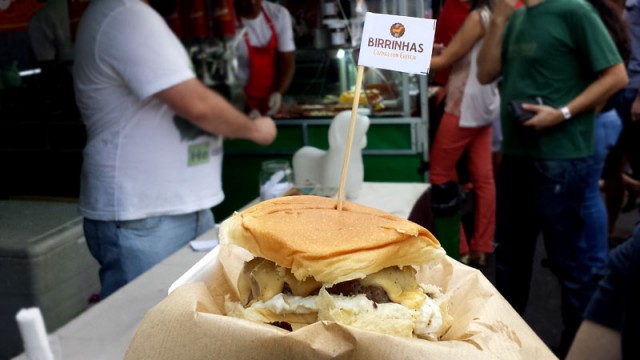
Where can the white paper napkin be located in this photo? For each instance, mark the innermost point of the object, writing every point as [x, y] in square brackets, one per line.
[203, 245]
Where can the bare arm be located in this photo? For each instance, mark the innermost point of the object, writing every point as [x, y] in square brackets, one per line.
[594, 341]
[464, 39]
[489, 57]
[611, 80]
[286, 67]
[209, 111]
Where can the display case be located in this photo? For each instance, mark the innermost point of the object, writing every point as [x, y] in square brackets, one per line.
[325, 80]
[323, 86]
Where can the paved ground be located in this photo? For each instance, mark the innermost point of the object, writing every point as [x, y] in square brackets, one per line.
[543, 311]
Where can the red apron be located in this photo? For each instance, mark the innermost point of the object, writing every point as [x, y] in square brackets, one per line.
[261, 70]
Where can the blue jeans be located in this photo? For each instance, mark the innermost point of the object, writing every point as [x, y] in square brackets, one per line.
[543, 196]
[126, 249]
[595, 238]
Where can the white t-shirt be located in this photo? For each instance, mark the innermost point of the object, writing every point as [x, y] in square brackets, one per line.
[480, 103]
[476, 104]
[260, 34]
[140, 160]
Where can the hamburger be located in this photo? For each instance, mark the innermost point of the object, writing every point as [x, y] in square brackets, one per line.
[355, 266]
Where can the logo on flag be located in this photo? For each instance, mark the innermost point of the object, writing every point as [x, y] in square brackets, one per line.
[397, 30]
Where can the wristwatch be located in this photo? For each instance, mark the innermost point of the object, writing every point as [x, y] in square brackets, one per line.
[566, 113]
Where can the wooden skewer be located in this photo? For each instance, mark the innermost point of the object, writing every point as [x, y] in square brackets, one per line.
[352, 126]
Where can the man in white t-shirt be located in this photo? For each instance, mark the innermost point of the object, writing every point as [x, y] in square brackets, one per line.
[152, 162]
[265, 55]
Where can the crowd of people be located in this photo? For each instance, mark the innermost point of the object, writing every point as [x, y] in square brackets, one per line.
[567, 77]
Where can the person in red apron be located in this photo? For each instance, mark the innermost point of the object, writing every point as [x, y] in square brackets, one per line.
[268, 61]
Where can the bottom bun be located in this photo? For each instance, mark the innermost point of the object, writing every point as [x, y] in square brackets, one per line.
[269, 316]
[429, 322]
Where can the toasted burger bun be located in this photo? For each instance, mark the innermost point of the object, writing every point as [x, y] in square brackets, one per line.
[353, 266]
[309, 236]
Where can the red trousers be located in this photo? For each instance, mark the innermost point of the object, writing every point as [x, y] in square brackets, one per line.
[449, 144]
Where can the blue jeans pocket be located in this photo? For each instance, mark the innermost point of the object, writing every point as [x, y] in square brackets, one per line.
[141, 224]
[568, 177]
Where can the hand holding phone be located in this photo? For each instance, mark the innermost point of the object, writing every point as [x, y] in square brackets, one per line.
[519, 113]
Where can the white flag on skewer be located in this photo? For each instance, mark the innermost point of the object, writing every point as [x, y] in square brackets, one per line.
[398, 43]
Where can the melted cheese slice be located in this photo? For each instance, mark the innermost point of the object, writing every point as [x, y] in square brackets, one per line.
[262, 279]
[400, 284]
[411, 312]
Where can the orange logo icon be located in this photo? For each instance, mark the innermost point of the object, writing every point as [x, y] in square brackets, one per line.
[397, 30]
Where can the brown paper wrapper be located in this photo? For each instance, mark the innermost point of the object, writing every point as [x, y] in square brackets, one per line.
[190, 324]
